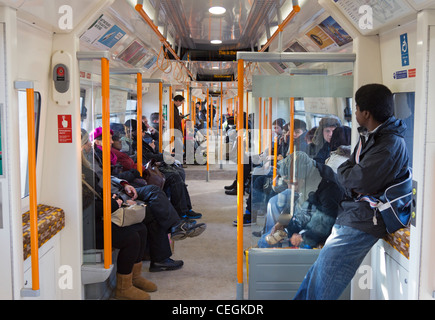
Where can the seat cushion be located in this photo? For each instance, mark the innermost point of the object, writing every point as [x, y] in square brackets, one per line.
[400, 241]
[50, 221]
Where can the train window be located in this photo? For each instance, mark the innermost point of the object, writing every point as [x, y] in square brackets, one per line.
[404, 109]
[22, 109]
[83, 109]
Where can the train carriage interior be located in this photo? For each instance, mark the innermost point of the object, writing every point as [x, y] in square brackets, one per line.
[265, 85]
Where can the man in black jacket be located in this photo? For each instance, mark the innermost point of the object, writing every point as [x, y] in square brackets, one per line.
[380, 160]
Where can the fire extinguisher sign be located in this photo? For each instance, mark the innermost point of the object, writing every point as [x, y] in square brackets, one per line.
[64, 128]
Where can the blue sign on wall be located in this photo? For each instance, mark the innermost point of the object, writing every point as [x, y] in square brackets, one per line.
[404, 49]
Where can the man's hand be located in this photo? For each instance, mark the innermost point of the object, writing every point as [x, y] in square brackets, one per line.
[131, 191]
[296, 239]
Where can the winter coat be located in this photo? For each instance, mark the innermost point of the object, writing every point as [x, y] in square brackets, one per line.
[383, 161]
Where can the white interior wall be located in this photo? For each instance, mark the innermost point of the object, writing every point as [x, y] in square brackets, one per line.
[392, 60]
[150, 100]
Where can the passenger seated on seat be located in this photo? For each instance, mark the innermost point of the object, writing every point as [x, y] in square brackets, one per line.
[340, 147]
[313, 220]
[131, 240]
[278, 132]
[309, 136]
[122, 158]
[247, 161]
[262, 190]
[262, 174]
[160, 220]
[175, 176]
[297, 180]
[299, 133]
[150, 130]
[319, 149]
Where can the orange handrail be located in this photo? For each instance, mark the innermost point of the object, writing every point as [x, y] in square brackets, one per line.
[292, 125]
[281, 27]
[160, 115]
[107, 223]
[32, 188]
[187, 100]
[139, 123]
[240, 184]
[221, 106]
[270, 126]
[171, 107]
[275, 160]
[208, 125]
[247, 119]
[260, 103]
[265, 122]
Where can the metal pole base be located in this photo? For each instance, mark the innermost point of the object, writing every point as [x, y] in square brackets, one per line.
[240, 291]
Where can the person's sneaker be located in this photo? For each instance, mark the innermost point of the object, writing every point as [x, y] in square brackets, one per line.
[166, 265]
[196, 230]
[246, 221]
[192, 215]
[186, 228]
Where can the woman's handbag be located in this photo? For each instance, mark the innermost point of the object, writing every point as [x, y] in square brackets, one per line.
[127, 215]
[152, 175]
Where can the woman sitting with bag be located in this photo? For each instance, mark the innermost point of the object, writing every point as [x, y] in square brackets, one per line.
[130, 240]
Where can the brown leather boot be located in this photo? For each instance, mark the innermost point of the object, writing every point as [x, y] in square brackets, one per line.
[140, 282]
[125, 289]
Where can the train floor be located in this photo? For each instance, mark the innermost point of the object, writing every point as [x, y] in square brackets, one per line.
[210, 260]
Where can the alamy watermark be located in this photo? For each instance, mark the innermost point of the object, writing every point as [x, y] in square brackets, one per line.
[65, 21]
[366, 20]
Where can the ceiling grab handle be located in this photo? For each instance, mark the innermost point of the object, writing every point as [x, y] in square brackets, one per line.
[143, 14]
[31, 145]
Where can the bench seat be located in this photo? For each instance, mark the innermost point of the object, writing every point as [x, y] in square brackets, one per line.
[50, 221]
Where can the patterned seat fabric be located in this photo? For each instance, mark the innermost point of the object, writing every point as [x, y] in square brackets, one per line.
[400, 241]
[50, 221]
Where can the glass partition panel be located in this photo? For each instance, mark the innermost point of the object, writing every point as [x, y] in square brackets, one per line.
[90, 93]
[291, 201]
[122, 109]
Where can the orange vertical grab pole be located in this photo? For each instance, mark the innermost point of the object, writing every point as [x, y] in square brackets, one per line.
[240, 184]
[139, 123]
[107, 223]
[32, 188]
